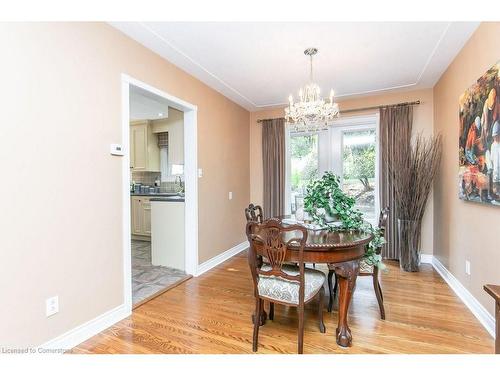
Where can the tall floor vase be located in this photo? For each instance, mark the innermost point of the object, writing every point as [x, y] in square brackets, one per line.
[409, 243]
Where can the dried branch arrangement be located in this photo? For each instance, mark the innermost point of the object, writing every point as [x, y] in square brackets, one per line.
[413, 172]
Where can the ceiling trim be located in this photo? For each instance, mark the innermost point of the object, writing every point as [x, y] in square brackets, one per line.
[212, 80]
[179, 51]
[391, 88]
[433, 52]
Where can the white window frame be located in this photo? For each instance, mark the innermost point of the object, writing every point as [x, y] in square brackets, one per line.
[330, 151]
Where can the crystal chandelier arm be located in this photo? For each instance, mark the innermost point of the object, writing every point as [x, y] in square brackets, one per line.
[311, 69]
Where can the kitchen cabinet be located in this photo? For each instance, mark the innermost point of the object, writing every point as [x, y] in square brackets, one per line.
[141, 217]
[144, 150]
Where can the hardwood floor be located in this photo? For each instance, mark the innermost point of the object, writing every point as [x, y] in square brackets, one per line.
[211, 314]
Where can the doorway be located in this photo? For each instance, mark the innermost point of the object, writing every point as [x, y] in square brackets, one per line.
[141, 253]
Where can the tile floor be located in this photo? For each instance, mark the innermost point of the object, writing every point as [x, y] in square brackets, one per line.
[146, 278]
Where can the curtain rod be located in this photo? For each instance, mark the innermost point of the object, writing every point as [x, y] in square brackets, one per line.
[416, 102]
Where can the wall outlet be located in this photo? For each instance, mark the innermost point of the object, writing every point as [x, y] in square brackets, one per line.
[467, 267]
[230, 195]
[52, 305]
[200, 172]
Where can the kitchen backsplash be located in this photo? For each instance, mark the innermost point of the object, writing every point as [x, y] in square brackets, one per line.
[145, 178]
[148, 178]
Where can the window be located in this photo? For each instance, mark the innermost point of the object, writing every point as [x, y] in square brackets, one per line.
[358, 169]
[349, 149]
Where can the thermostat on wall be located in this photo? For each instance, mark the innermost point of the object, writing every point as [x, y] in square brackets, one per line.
[116, 149]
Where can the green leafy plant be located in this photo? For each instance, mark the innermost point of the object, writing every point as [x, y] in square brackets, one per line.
[325, 200]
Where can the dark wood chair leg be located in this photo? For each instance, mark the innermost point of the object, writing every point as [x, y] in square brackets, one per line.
[271, 310]
[378, 293]
[300, 346]
[330, 290]
[321, 293]
[335, 287]
[256, 324]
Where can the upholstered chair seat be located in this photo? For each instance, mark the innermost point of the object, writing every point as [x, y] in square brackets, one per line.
[365, 267]
[287, 291]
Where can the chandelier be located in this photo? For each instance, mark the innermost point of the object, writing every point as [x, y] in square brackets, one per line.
[311, 112]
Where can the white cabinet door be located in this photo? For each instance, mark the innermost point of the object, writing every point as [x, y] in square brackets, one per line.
[139, 146]
[136, 215]
[144, 150]
[140, 216]
[146, 217]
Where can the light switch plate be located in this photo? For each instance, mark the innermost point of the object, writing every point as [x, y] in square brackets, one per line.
[116, 149]
[230, 195]
[200, 172]
[467, 267]
[52, 306]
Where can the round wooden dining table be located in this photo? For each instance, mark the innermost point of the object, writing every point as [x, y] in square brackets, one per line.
[342, 250]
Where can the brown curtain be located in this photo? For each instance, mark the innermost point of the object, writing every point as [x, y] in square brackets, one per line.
[395, 136]
[273, 157]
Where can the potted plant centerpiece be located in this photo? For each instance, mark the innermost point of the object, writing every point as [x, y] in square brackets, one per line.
[331, 208]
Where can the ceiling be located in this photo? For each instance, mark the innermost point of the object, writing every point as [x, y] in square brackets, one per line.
[145, 105]
[258, 65]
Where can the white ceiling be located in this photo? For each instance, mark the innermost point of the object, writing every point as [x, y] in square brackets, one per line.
[146, 106]
[259, 64]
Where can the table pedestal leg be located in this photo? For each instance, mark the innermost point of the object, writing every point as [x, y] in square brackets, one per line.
[347, 272]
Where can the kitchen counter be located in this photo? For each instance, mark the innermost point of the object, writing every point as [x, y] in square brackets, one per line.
[173, 198]
[154, 194]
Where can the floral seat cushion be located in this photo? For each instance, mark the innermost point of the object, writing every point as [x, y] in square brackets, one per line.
[365, 267]
[279, 289]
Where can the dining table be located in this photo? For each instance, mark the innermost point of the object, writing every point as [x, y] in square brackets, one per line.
[342, 251]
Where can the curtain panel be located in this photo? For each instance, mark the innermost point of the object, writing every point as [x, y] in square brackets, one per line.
[273, 157]
[395, 136]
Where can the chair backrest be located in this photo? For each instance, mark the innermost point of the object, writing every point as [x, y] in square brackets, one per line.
[254, 213]
[273, 239]
[382, 220]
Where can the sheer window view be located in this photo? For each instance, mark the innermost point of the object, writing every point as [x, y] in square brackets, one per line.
[303, 164]
[358, 166]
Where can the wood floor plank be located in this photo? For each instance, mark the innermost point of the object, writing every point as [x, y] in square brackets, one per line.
[211, 314]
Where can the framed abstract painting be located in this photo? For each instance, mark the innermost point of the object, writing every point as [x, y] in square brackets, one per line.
[479, 139]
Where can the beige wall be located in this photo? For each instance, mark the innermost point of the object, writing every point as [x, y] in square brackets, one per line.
[464, 230]
[61, 225]
[422, 122]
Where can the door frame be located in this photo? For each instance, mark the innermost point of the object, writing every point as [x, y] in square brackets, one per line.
[190, 180]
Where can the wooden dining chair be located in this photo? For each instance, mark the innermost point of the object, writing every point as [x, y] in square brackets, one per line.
[254, 213]
[365, 269]
[278, 282]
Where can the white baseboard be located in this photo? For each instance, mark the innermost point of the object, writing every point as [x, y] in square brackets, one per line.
[85, 331]
[215, 261]
[426, 258]
[484, 317]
